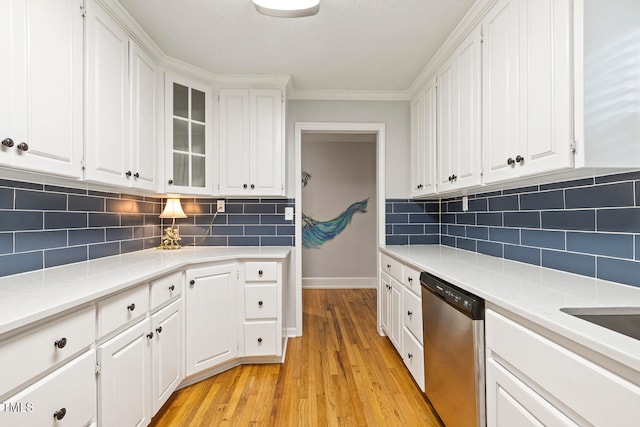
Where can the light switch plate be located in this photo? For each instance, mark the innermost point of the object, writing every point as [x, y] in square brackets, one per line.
[465, 203]
[220, 206]
[288, 213]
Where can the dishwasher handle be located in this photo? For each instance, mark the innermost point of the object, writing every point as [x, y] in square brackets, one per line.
[462, 300]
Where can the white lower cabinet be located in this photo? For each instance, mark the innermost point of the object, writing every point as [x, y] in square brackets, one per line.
[166, 353]
[534, 380]
[124, 382]
[513, 403]
[211, 316]
[400, 313]
[66, 397]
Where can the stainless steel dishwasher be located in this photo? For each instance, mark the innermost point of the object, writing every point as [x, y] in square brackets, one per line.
[453, 328]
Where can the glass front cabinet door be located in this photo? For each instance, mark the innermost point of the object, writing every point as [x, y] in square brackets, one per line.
[188, 142]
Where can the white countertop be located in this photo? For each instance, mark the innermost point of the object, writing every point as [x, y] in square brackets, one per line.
[32, 296]
[533, 292]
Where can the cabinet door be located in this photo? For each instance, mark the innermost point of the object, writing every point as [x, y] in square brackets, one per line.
[465, 151]
[500, 108]
[124, 383]
[446, 122]
[234, 162]
[69, 392]
[546, 86]
[166, 353]
[417, 146]
[511, 403]
[107, 141]
[144, 119]
[212, 317]
[423, 141]
[41, 85]
[396, 314]
[266, 148]
[188, 149]
[385, 304]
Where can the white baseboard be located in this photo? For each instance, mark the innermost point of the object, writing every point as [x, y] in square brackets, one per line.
[339, 282]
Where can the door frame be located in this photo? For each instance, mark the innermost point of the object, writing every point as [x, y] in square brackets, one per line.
[334, 127]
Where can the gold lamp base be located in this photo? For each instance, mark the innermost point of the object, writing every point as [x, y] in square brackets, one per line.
[171, 239]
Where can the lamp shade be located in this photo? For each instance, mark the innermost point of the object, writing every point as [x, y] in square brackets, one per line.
[287, 8]
[173, 209]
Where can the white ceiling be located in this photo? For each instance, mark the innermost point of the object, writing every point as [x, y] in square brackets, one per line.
[349, 45]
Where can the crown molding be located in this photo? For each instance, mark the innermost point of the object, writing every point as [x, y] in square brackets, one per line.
[348, 95]
[468, 23]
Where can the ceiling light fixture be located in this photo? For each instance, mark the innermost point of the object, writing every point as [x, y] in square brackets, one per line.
[287, 8]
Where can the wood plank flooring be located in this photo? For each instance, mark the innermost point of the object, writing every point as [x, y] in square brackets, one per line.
[339, 373]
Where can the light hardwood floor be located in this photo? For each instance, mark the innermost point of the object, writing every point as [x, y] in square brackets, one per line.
[339, 373]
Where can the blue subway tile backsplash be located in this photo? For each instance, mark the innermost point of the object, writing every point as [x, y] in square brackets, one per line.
[587, 226]
[44, 226]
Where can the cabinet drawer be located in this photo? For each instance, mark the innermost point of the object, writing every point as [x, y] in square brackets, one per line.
[41, 348]
[413, 357]
[598, 395]
[260, 302]
[165, 288]
[413, 314]
[261, 271]
[411, 279]
[260, 338]
[69, 391]
[123, 308]
[392, 267]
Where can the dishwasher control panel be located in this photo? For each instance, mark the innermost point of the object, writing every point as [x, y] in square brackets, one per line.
[466, 302]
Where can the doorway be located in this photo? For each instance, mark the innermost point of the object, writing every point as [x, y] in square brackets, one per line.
[323, 227]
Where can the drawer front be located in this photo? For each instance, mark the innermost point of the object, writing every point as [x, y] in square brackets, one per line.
[165, 288]
[392, 267]
[41, 348]
[412, 279]
[412, 314]
[123, 308]
[260, 302]
[413, 357]
[69, 392]
[260, 338]
[261, 271]
[598, 395]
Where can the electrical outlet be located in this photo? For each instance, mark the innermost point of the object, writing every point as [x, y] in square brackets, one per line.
[288, 213]
[220, 207]
[465, 203]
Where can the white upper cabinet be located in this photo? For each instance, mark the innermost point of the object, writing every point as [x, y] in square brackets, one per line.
[458, 116]
[144, 119]
[121, 106]
[107, 139]
[188, 163]
[251, 160]
[423, 141]
[41, 86]
[527, 89]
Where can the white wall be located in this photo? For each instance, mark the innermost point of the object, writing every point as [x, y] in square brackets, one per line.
[395, 115]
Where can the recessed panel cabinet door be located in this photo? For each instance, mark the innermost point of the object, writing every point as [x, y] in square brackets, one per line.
[107, 140]
[144, 123]
[166, 353]
[41, 86]
[211, 316]
[546, 87]
[500, 108]
[266, 142]
[124, 383]
[234, 135]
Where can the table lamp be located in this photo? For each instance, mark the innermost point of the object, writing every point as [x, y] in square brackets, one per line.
[172, 210]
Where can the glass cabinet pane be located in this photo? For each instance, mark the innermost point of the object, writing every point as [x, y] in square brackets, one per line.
[197, 105]
[180, 101]
[180, 135]
[197, 138]
[181, 169]
[198, 172]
